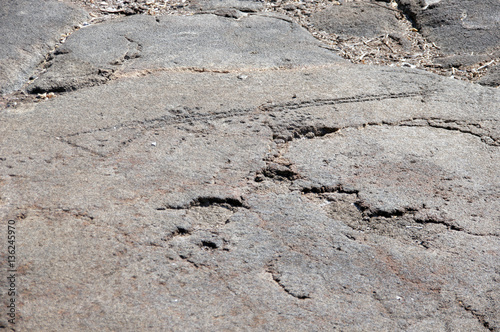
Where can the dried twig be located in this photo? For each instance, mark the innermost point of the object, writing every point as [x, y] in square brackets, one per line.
[386, 44]
[486, 65]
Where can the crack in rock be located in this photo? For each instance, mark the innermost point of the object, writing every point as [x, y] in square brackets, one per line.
[301, 295]
[329, 189]
[433, 218]
[296, 132]
[209, 244]
[418, 216]
[282, 170]
[229, 203]
[480, 317]
[354, 209]
[465, 127]
[181, 230]
[291, 132]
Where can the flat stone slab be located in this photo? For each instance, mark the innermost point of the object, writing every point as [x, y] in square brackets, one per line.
[224, 172]
[466, 28]
[492, 78]
[319, 198]
[362, 19]
[27, 33]
[209, 42]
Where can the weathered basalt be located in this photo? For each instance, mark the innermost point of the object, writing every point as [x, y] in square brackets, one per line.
[169, 189]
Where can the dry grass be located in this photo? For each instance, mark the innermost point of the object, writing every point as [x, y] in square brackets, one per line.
[405, 48]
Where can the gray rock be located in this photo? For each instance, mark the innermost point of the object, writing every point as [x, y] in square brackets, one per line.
[403, 185]
[242, 5]
[133, 44]
[383, 218]
[27, 33]
[68, 73]
[246, 195]
[492, 78]
[357, 19]
[466, 28]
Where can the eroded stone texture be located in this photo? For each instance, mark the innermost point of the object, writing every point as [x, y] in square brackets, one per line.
[249, 195]
[293, 199]
[492, 78]
[428, 174]
[357, 19]
[29, 31]
[133, 44]
[468, 31]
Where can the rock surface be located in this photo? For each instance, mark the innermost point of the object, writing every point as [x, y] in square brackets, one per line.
[492, 78]
[241, 5]
[200, 42]
[28, 33]
[189, 181]
[469, 31]
[452, 38]
[364, 19]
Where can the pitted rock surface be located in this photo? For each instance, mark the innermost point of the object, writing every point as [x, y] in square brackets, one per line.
[185, 177]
